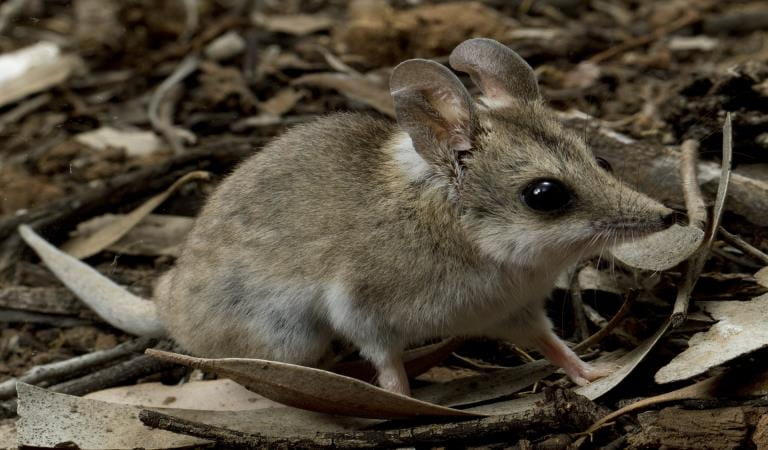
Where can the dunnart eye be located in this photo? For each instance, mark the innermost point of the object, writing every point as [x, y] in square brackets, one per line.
[546, 195]
[604, 164]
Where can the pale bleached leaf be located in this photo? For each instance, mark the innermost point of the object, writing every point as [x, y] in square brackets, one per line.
[741, 329]
[210, 395]
[662, 250]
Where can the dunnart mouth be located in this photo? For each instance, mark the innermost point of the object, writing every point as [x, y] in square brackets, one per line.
[629, 230]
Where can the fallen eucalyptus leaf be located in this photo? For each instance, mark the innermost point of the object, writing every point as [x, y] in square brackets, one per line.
[47, 419]
[625, 365]
[155, 235]
[500, 383]
[210, 395]
[762, 277]
[660, 251]
[358, 88]
[741, 329]
[84, 246]
[314, 389]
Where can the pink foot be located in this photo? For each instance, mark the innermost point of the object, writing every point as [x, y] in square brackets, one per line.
[392, 376]
[559, 354]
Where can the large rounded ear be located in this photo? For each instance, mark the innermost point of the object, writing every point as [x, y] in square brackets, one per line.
[434, 108]
[500, 73]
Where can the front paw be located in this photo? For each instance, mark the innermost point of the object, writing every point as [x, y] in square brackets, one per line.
[582, 372]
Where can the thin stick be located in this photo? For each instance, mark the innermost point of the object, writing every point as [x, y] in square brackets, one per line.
[562, 408]
[694, 201]
[62, 369]
[743, 245]
[689, 18]
[577, 303]
[695, 264]
[611, 325]
[164, 125]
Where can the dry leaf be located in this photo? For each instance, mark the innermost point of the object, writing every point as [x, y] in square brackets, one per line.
[358, 88]
[625, 365]
[47, 419]
[33, 69]
[465, 391]
[295, 24]
[85, 246]
[741, 329]
[155, 235]
[662, 250]
[282, 102]
[732, 384]
[314, 389]
[762, 277]
[210, 395]
[134, 142]
[8, 438]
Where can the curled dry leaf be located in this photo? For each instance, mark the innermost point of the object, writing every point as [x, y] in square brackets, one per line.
[85, 246]
[358, 88]
[660, 251]
[314, 389]
[741, 329]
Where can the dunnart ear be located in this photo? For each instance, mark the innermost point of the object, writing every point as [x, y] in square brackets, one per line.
[434, 108]
[497, 70]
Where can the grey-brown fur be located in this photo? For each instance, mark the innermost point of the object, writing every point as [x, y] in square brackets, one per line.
[326, 234]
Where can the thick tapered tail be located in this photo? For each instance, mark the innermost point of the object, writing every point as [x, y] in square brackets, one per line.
[114, 304]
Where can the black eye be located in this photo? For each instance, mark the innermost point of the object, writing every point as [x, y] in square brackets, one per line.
[546, 195]
[604, 164]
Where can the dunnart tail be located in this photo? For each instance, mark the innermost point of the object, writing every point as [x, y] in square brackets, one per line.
[114, 304]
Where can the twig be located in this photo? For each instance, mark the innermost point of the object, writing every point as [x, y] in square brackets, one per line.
[63, 369]
[162, 122]
[688, 18]
[695, 264]
[609, 327]
[15, 315]
[22, 109]
[117, 374]
[743, 245]
[562, 409]
[577, 303]
[694, 201]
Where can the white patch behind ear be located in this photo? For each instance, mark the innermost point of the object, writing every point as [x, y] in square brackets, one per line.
[406, 159]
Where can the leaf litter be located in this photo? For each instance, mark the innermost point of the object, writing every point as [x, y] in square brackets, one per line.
[349, 51]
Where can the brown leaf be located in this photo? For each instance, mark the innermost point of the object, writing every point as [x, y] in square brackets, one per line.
[295, 24]
[88, 245]
[314, 389]
[661, 251]
[356, 87]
